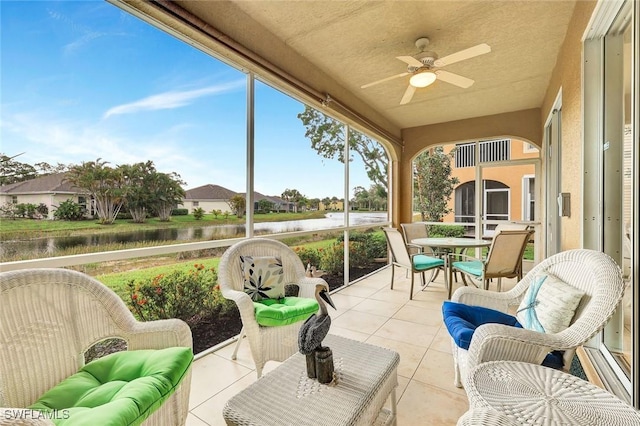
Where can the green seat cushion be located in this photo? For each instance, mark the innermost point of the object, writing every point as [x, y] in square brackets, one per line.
[285, 311]
[123, 388]
[472, 267]
[422, 262]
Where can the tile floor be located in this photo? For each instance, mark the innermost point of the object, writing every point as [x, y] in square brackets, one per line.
[367, 311]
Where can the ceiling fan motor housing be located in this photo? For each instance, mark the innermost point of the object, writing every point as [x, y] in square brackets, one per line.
[427, 59]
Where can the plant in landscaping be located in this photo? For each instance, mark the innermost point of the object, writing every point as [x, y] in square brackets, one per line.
[69, 210]
[446, 231]
[308, 256]
[198, 213]
[186, 295]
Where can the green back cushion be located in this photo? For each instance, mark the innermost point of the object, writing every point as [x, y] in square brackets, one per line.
[123, 388]
[274, 313]
[263, 277]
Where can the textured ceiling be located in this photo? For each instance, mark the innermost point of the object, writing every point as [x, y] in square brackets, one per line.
[356, 42]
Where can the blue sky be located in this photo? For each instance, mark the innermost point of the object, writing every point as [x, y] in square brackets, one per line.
[82, 80]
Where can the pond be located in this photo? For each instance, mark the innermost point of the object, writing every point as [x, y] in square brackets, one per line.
[51, 245]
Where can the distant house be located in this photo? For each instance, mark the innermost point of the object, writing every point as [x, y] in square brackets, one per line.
[208, 197]
[50, 190]
[279, 204]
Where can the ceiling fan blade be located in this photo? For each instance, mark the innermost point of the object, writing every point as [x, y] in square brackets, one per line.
[471, 52]
[455, 79]
[384, 79]
[408, 94]
[410, 60]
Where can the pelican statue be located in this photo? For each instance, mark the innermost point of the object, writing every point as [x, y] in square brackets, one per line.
[316, 327]
[312, 333]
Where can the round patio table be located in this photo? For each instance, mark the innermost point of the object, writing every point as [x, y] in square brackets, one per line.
[530, 394]
[445, 245]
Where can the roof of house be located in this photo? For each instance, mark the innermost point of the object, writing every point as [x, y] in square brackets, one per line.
[209, 192]
[49, 183]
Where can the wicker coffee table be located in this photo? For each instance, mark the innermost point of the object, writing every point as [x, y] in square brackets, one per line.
[366, 377]
[509, 392]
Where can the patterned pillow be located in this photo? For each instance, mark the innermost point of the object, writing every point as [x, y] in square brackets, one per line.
[548, 305]
[263, 277]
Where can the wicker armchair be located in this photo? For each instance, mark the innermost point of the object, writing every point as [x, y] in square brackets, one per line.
[50, 317]
[592, 272]
[267, 343]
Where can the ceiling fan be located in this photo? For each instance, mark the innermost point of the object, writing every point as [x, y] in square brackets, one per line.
[425, 68]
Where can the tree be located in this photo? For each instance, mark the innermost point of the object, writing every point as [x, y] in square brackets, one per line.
[104, 183]
[168, 191]
[293, 196]
[137, 189]
[265, 206]
[12, 171]
[433, 183]
[327, 139]
[237, 204]
[361, 198]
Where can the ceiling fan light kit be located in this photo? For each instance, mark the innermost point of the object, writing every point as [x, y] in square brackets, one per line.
[425, 68]
[422, 79]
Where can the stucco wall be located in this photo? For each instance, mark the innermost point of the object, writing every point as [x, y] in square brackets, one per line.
[567, 76]
[524, 125]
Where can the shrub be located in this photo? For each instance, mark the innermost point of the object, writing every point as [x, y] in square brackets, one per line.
[371, 244]
[308, 255]
[8, 210]
[179, 212]
[26, 210]
[198, 213]
[186, 295]
[69, 210]
[42, 210]
[332, 258]
[446, 231]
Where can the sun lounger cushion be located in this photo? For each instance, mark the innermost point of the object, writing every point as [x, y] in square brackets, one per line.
[119, 389]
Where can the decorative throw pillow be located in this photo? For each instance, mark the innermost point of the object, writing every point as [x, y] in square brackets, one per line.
[548, 305]
[263, 277]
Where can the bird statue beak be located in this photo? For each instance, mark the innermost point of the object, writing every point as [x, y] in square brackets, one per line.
[325, 296]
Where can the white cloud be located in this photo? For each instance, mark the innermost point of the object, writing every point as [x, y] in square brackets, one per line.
[172, 99]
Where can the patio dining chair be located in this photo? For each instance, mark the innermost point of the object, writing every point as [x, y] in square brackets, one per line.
[414, 263]
[415, 230]
[504, 260]
[51, 317]
[271, 317]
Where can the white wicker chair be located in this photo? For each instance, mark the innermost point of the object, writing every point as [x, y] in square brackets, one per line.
[267, 343]
[50, 317]
[592, 272]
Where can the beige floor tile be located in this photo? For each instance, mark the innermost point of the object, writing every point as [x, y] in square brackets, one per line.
[399, 294]
[349, 334]
[436, 369]
[357, 290]
[410, 355]
[359, 321]
[408, 332]
[420, 315]
[434, 304]
[192, 420]
[211, 410]
[211, 374]
[345, 301]
[422, 404]
[442, 341]
[378, 307]
[403, 382]
[244, 357]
